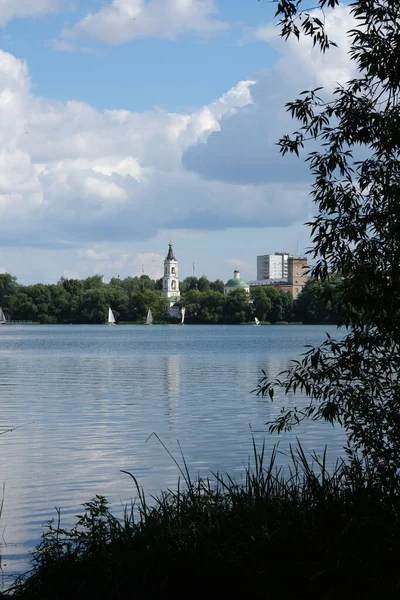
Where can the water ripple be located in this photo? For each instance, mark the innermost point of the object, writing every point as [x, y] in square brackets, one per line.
[88, 397]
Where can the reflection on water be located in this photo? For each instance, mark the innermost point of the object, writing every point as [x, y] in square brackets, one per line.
[172, 387]
[89, 397]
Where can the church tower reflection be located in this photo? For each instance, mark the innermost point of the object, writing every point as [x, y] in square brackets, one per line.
[172, 387]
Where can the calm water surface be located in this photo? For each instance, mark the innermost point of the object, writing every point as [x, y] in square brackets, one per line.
[84, 400]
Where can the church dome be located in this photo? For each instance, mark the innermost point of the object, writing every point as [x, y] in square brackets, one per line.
[236, 283]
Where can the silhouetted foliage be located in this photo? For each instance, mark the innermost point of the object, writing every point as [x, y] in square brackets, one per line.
[356, 231]
[319, 301]
[320, 531]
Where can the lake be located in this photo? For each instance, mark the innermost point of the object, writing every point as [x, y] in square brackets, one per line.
[83, 401]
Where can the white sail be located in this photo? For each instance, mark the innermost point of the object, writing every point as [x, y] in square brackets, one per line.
[2, 316]
[183, 310]
[149, 320]
[111, 318]
[257, 321]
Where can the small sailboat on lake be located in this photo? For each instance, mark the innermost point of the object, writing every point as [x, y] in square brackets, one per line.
[256, 321]
[111, 318]
[183, 310]
[3, 319]
[149, 319]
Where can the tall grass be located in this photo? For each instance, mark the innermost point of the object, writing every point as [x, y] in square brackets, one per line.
[309, 532]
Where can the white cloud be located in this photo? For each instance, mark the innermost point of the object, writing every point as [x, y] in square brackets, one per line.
[92, 254]
[149, 263]
[70, 172]
[243, 148]
[327, 69]
[122, 20]
[91, 183]
[14, 9]
[71, 47]
[237, 263]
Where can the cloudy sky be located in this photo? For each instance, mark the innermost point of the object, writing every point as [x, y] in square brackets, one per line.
[125, 123]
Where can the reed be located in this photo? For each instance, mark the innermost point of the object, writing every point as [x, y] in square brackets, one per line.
[306, 531]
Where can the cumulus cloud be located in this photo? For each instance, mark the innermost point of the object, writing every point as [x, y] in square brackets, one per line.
[14, 9]
[70, 172]
[87, 180]
[149, 263]
[122, 20]
[92, 254]
[256, 159]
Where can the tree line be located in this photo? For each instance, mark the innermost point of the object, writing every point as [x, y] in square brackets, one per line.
[87, 301]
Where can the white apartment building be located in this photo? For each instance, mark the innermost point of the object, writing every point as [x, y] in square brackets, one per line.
[273, 266]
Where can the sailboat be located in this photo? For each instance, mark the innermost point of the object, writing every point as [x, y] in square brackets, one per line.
[183, 310]
[111, 318]
[257, 322]
[149, 320]
[3, 319]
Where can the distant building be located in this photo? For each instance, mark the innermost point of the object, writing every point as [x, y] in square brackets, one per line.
[297, 274]
[272, 266]
[294, 282]
[170, 289]
[236, 283]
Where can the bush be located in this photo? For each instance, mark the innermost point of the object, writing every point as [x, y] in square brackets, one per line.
[309, 534]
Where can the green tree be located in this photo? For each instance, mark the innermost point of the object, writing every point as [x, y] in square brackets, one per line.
[276, 311]
[318, 302]
[96, 281]
[41, 299]
[146, 283]
[22, 307]
[212, 306]
[131, 284]
[237, 307]
[140, 302]
[8, 287]
[286, 299]
[356, 231]
[217, 286]
[190, 283]
[262, 304]
[203, 284]
[94, 306]
[116, 281]
[193, 304]
[74, 290]
[118, 299]
[59, 303]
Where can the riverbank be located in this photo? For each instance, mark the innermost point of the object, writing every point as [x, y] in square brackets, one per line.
[310, 534]
[188, 322]
[89, 301]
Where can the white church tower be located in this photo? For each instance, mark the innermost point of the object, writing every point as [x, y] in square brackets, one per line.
[170, 289]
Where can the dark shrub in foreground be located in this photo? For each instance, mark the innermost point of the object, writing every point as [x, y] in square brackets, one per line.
[307, 535]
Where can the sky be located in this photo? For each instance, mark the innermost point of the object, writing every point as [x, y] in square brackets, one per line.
[128, 123]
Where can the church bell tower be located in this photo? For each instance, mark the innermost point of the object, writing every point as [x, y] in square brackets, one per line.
[170, 289]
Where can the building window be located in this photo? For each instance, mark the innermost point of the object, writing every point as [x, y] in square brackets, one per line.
[173, 270]
[173, 285]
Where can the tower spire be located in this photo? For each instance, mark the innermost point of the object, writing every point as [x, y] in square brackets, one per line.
[170, 255]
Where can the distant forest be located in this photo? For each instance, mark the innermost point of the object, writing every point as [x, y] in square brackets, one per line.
[87, 301]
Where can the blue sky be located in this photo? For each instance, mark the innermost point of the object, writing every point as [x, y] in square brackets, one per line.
[126, 122]
[144, 73]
